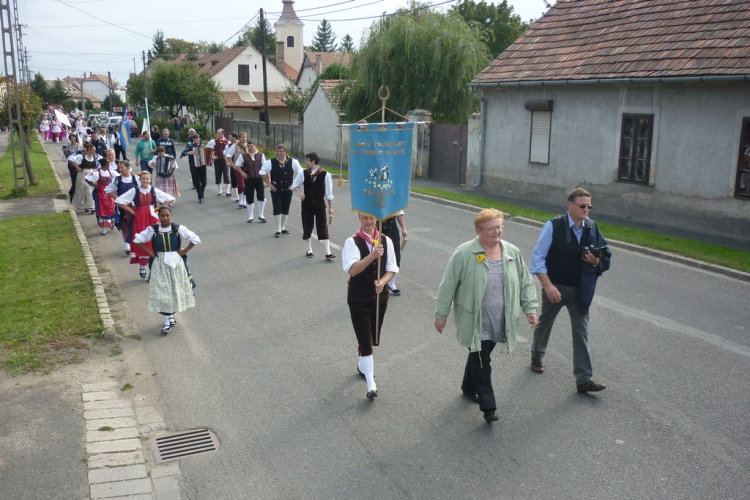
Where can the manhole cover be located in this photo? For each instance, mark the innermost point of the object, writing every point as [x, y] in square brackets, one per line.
[175, 446]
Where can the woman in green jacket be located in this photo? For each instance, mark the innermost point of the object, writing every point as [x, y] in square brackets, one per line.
[489, 286]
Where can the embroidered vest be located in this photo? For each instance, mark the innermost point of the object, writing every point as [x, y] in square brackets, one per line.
[219, 145]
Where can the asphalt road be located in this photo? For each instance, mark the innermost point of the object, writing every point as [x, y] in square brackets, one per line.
[267, 361]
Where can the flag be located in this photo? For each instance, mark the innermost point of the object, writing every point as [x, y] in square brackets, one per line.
[146, 127]
[380, 168]
[124, 130]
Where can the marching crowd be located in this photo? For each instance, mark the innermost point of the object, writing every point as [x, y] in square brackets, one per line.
[486, 282]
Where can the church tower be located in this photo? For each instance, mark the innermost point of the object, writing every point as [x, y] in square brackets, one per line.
[289, 31]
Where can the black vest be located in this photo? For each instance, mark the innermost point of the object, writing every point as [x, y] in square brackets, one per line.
[563, 260]
[315, 188]
[361, 288]
[282, 174]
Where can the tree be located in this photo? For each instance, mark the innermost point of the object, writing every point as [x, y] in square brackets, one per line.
[297, 100]
[210, 47]
[206, 98]
[39, 86]
[56, 94]
[116, 102]
[160, 49]
[498, 24]
[31, 104]
[135, 89]
[324, 39]
[426, 58]
[170, 85]
[334, 71]
[177, 46]
[252, 36]
[347, 43]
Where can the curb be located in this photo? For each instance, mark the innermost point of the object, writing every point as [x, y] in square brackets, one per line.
[706, 266]
[101, 296]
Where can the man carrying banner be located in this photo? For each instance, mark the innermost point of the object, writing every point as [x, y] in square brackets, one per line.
[367, 295]
[280, 174]
[317, 186]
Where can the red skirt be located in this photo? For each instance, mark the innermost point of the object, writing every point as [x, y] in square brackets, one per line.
[144, 217]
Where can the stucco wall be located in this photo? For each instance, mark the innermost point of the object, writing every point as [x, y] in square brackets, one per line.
[306, 78]
[319, 132]
[227, 77]
[693, 157]
[99, 89]
[275, 115]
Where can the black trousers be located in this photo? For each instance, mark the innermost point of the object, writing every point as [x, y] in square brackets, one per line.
[363, 321]
[119, 150]
[281, 199]
[478, 376]
[73, 178]
[312, 215]
[221, 169]
[199, 180]
[233, 177]
[254, 186]
[394, 233]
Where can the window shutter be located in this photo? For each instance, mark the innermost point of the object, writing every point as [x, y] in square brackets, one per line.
[540, 130]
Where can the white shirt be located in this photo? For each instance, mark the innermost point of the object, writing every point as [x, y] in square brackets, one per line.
[113, 186]
[127, 197]
[295, 166]
[350, 254]
[93, 177]
[148, 234]
[78, 159]
[240, 161]
[300, 179]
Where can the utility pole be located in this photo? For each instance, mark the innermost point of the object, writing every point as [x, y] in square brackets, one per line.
[265, 77]
[83, 101]
[19, 44]
[147, 123]
[109, 86]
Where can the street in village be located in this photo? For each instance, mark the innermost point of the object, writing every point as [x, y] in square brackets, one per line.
[267, 361]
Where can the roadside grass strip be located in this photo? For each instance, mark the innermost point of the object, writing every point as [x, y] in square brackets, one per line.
[47, 303]
[714, 254]
[46, 184]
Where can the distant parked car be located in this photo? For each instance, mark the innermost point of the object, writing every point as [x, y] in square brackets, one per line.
[134, 132]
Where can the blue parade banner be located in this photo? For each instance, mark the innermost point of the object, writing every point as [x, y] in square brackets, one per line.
[380, 168]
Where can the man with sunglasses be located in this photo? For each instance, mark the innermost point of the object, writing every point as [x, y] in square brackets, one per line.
[569, 256]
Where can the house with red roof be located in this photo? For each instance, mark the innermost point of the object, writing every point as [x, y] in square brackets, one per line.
[645, 103]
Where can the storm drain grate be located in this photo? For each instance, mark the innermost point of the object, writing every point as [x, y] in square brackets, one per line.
[179, 445]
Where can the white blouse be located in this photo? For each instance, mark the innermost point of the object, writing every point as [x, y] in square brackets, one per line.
[93, 177]
[160, 196]
[350, 254]
[185, 234]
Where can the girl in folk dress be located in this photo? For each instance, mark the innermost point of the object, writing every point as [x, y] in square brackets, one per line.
[56, 130]
[72, 149]
[119, 186]
[140, 203]
[85, 163]
[164, 167]
[171, 289]
[44, 126]
[99, 179]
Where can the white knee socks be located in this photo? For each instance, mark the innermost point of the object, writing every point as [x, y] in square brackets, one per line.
[278, 222]
[327, 246]
[367, 367]
[261, 208]
[221, 188]
[284, 217]
[250, 211]
[309, 244]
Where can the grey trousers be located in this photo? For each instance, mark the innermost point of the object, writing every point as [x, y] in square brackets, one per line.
[582, 368]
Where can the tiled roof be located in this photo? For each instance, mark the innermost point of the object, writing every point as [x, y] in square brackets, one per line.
[100, 78]
[72, 88]
[328, 58]
[603, 39]
[246, 99]
[290, 72]
[213, 63]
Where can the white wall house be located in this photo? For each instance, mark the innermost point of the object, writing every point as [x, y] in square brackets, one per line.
[654, 122]
[320, 117]
[315, 63]
[98, 85]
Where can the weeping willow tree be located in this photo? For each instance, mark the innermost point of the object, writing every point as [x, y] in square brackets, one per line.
[426, 58]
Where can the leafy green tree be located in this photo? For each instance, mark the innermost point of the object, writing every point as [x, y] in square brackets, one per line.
[335, 71]
[177, 46]
[252, 36]
[31, 105]
[297, 100]
[56, 94]
[135, 89]
[426, 58]
[210, 47]
[160, 49]
[206, 98]
[39, 86]
[324, 39]
[170, 85]
[116, 102]
[498, 24]
[347, 43]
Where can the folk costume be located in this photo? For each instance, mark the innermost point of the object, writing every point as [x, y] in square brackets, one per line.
[70, 151]
[143, 202]
[221, 169]
[83, 197]
[231, 154]
[44, 127]
[390, 228]
[123, 219]
[197, 163]
[164, 167]
[252, 164]
[361, 298]
[283, 176]
[171, 284]
[104, 205]
[318, 188]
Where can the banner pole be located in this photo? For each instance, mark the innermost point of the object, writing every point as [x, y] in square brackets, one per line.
[376, 340]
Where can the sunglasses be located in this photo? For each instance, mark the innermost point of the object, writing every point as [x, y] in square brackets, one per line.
[584, 207]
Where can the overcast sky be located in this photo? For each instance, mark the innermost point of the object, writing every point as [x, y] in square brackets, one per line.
[63, 39]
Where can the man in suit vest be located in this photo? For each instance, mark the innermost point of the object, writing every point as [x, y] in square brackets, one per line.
[318, 189]
[280, 173]
[568, 258]
[249, 165]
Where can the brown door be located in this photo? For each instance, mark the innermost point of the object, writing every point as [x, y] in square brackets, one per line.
[448, 153]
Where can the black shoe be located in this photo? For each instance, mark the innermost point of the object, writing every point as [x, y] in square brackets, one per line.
[372, 394]
[490, 416]
[249, 221]
[330, 256]
[395, 291]
[200, 200]
[277, 234]
[143, 273]
[591, 386]
[537, 365]
[309, 255]
[166, 329]
[262, 219]
[284, 231]
[229, 194]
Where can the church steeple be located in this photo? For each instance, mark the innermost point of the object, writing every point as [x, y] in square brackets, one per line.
[289, 30]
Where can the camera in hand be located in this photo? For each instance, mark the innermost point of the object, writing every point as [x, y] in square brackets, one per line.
[591, 249]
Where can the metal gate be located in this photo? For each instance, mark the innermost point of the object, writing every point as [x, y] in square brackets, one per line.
[448, 145]
[224, 122]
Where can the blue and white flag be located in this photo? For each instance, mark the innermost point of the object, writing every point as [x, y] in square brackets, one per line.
[124, 130]
[380, 168]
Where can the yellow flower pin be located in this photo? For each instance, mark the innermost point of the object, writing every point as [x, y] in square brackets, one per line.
[480, 258]
[375, 242]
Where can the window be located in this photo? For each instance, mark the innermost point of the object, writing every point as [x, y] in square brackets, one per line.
[243, 74]
[742, 182]
[290, 41]
[261, 116]
[541, 122]
[635, 147]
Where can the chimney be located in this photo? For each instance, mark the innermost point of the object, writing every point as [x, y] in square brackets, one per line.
[280, 57]
[319, 64]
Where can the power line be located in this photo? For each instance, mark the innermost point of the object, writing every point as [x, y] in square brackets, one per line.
[348, 8]
[159, 23]
[90, 53]
[322, 7]
[381, 15]
[102, 20]
[240, 30]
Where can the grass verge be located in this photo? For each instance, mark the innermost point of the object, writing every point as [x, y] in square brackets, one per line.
[47, 302]
[723, 256]
[45, 185]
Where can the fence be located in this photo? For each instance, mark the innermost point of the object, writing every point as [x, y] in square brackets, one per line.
[287, 134]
